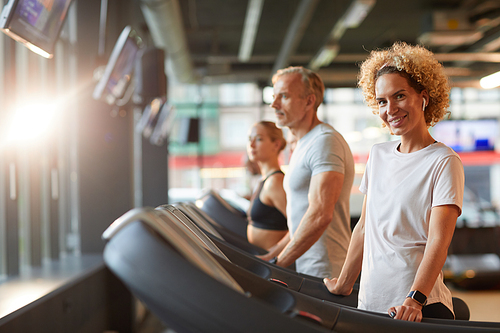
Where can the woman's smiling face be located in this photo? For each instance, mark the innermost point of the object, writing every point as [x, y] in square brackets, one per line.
[400, 106]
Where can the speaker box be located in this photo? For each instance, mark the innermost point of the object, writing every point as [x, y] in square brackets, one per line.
[150, 77]
[189, 130]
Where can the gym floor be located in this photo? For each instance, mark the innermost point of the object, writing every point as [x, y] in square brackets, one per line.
[483, 305]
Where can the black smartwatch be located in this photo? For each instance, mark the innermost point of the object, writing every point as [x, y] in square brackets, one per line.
[274, 260]
[418, 297]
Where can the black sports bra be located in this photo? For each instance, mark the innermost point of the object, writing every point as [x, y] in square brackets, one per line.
[263, 216]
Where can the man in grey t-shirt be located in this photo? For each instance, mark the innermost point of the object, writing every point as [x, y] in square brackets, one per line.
[318, 182]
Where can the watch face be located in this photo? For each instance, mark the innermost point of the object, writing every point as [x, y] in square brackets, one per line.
[418, 296]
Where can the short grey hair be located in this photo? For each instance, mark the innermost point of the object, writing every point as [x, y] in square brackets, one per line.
[312, 82]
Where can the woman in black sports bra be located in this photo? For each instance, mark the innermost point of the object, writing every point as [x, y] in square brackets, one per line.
[267, 213]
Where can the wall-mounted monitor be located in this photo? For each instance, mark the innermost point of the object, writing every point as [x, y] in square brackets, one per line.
[467, 135]
[156, 121]
[149, 117]
[164, 125]
[120, 67]
[35, 23]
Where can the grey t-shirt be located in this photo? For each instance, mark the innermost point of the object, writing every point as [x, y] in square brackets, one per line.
[322, 149]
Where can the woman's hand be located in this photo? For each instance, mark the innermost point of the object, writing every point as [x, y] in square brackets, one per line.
[335, 287]
[266, 257]
[410, 311]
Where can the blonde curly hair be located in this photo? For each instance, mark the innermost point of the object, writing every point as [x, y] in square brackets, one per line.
[418, 66]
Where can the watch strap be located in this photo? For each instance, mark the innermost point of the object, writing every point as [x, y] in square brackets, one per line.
[274, 260]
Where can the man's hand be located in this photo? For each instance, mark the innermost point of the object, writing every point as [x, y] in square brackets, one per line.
[336, 288]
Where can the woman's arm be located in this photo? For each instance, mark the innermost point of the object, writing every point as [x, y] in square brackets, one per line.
[277, 248]
[273, 193]
[352, 266]
[441, 227]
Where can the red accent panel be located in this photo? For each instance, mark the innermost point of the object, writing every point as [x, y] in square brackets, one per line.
[221, 160]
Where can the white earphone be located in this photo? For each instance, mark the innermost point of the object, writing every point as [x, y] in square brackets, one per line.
[423, 105]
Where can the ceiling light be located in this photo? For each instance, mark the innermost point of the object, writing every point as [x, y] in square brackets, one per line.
[325, 56]
[357, 12]
[490, 81]
[250, 29]
[352, 18]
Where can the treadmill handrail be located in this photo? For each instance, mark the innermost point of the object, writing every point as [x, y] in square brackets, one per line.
[195, 210]
[192, 228]
[221, 200]
[196, 255]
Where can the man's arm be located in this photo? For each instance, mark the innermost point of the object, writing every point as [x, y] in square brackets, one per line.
[324, 191]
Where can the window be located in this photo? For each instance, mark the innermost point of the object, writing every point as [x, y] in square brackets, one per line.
[39, 218]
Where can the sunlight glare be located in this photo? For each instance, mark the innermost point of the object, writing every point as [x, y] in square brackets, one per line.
[31, 122]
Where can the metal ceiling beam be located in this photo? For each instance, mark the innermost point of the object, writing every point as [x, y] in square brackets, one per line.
[493, 57]
[331, 77]
[469, 56]
[487, 44]
[295, 33]
[164, 20]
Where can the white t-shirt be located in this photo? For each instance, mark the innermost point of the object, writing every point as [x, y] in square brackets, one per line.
[401, 190]
[321, 149]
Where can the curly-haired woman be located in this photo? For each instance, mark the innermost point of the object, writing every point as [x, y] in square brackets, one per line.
[413, 191]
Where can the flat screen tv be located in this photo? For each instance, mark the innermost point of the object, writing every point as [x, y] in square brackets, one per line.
[156, 121]
[35, 23]
[164, 125]
[118, 73]
[149, 117]
[467, 135]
